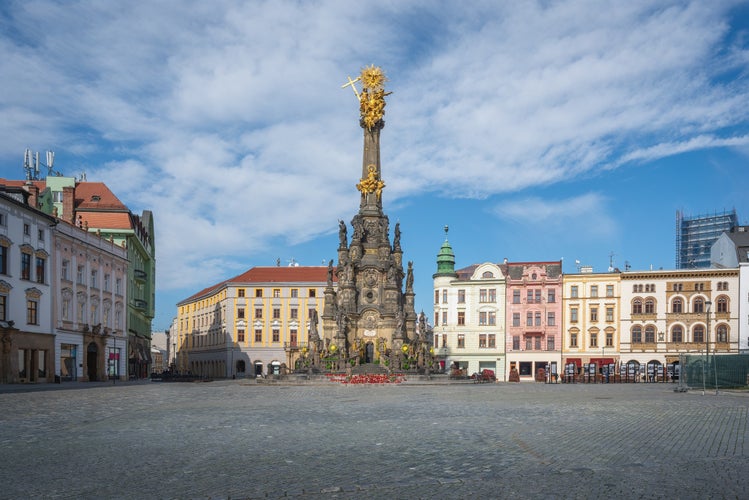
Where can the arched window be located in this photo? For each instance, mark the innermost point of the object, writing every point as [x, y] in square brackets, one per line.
[677, 334]
[487, 274]
[722, 333]
[650, 333]
[637, 306]
[698, 305]
[637, 334]
[649, 306]
[722, 304]
[677, 306]
[698, 334]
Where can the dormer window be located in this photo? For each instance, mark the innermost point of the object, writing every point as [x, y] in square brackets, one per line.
[96, 197]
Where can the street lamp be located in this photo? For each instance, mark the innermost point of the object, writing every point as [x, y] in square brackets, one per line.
[707, 348]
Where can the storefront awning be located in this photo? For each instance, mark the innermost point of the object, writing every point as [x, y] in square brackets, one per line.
[577, 361]
[603, 361]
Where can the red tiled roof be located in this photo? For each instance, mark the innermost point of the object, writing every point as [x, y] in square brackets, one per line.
[272, 274]
[106, 220]
[86, 194]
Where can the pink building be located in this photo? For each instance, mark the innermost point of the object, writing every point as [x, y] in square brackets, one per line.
[534, 319]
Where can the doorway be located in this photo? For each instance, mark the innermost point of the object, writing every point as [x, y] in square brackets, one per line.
[92, 353]
[369, 353]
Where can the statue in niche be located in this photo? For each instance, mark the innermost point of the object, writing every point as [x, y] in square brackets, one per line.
[330, 273]
[397, 237]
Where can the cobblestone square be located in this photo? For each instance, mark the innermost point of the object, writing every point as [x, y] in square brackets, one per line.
[237, 439]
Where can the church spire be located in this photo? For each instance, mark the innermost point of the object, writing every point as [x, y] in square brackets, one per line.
[446, 260]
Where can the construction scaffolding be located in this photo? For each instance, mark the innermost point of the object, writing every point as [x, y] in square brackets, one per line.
[695, 237]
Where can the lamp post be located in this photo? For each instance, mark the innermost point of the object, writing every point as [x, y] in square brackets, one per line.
[707, 346]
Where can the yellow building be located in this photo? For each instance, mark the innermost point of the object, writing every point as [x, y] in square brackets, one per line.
[591, 312]
[251, 324]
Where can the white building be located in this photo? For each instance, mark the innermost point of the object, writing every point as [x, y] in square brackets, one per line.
[90, 284]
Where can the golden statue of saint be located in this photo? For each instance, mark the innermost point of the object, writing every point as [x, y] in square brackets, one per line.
[371, 184]
[372, 96]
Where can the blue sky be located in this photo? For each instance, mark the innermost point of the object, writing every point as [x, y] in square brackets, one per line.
[535, 130]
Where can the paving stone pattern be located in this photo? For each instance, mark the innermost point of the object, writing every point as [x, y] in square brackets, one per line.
[236, 439]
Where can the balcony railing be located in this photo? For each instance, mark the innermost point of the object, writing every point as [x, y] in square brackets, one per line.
[139, 274]
[140, 304]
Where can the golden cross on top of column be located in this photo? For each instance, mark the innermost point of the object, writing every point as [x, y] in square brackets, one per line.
[353, 87]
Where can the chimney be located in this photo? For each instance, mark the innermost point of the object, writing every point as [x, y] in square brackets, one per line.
[33, 195]
[68, 204]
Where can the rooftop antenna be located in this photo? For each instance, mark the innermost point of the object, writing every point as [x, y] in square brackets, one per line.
[577, 265]
[627, 266]
[611, 262]
[27, 164]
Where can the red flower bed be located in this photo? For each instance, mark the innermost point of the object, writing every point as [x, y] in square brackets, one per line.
[374, 378]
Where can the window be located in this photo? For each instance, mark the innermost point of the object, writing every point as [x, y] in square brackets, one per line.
[492, 295]
[107, 282]
[293, 337]
[537, 296]
[25, 266]
[240, 335]
[594, 314]
[516, 296]
[722, 333]
[483, 295]
[678, 287]
[492, 341]
[40, 262]
[573, 340]
[3, 308]
[276, 293]
[294, 293]
[444, 317]
[444, 340]
[276, 335]
[609, 314]
[699, 287]
[3, 259]
[698, 334]
[699, 305]
[240, 292]
[537, 318]
[312, 293]
[550, 343]
[677, 334]
[436, 296]
[637, 334]
[26, 230]
[94, 278]
[573, 315]
[573, 291]
[461, 296]
[310, 312]
[593, 340]
[609, 339]
[258, 335]
[444, 296]
[609, 290]
[551, 296]
[528, 343]
[722, 305]
[492, 318]
[293, 313]
[461, 318]
[259, 293]
[551, 319]
[65, 272]
[40, 235]
[461, 341]
[482, 340]
[436, 318]
[529, 297]
[537, 342]
[515, 319]
[258, 313]
[676, 306]
[529, 319]
[32, 312]
[240, 312]
[637, 306]
[516, 342]
[276, 313]
[649, 306]
[118, 286]
[79, 276]
[594, 291]
[650, 334]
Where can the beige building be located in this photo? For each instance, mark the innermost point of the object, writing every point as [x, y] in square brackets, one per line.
[250, 325]
[668, 313]
[591, 308]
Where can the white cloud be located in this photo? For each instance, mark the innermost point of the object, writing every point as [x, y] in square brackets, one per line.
[228, 121]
